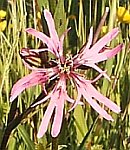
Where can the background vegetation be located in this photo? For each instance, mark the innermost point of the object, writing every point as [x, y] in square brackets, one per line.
[82, 128]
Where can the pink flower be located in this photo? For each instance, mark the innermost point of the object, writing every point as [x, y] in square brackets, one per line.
[62, 69]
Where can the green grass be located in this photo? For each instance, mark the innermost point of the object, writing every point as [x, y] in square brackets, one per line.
[80, 15]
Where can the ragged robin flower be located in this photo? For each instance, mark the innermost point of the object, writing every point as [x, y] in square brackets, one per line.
[63, 69]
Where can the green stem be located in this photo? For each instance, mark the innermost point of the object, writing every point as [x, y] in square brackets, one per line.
[86, 136]
[14, 121]
[55, 143]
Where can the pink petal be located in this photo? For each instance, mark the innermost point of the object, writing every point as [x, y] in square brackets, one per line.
[45, 39]
[86, 51]
[70, 100]
[90, 39]
[89, 54]
[83, 90]
[53, 93]
[114, 51]
[46, 119]
[51, 26]
[42, 100]
[104, 100]
[104, 40]
[58, 116]
[61, 45]
[39, 35]
[107, 54]
[95, 105]
[97, 78]
[57, 101]
[88, 91]
[98, 69]
[28, 81]
[77, 100]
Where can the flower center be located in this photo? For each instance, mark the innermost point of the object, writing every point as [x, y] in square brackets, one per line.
[66, 67]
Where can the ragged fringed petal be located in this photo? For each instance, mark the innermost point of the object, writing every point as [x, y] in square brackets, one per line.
[70, 100]
[62, 38]
[56, 104]
[28, 81]
[98, 96]
[54, 91]
[77, 101]
[58, 117]
[95, 105]
[92, 65]
[84, 51]
[39, 35]
[60, 50]
[104, 40]
[91, 53]
[102, 99]
[43, 100]
[46, 119]
[51, 26]
[45, 39]
[106, 54]
[57, 99]
[90, 39]
[111, 53]
[89, 92]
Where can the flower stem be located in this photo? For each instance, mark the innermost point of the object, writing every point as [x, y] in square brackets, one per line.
[55, 143]
[14, 120]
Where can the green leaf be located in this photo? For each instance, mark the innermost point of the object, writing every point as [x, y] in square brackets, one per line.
[52, 5]
[3, 4]
[12, 143]
[60, 18]
[24, 135]
[43, 3]
[80, 123]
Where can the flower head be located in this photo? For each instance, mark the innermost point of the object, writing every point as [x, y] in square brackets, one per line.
[3, 22]
[3, 25]
[123, 15]
[62, 69]
[104, 30]
[2, 14]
